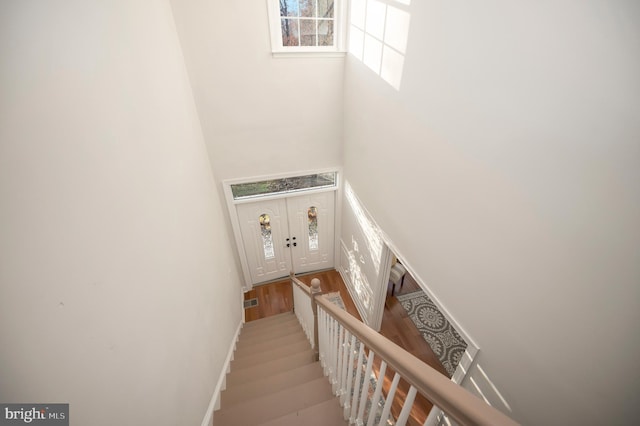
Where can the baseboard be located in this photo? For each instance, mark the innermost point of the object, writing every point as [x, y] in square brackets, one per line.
[214, 404]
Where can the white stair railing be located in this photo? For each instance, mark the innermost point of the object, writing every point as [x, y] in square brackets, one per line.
[304, 306]
[303, 310]
[348, 349]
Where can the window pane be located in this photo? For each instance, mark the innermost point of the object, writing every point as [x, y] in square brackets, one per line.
[325, 33]
[307, 32]
[289, 8]
[312, 214]
[290, 32]
[325, 8]
[283, 185]
[267, 239]
[308, 8]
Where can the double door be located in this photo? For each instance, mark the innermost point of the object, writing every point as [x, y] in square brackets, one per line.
[288, 234]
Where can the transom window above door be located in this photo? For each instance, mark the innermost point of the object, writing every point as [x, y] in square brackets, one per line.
[241, 191]
[283, 223]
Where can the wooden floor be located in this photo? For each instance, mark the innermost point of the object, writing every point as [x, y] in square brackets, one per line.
[277, 297]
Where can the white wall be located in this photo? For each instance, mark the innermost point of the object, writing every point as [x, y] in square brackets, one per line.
[507, 172]
[259, 115]
[116, 294]
[364, 259]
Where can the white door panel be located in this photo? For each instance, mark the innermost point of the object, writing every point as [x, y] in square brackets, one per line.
[296, 233]
[264, 228]
[311, 223]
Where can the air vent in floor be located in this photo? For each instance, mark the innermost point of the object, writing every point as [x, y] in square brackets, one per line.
[250, 303]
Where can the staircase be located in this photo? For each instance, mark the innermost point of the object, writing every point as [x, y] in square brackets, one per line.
[274, 380]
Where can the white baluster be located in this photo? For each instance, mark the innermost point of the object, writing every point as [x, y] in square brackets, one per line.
[377, 393]
[334, 355]
[350, 367]
[338, 388]
[365, 388]
[345, 357]
[331, 350]
[327, 344]
[387, 405]
[356, 385]
[406, 408]
[321, 337]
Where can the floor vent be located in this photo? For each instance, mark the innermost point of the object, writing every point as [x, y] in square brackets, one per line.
[250, 303]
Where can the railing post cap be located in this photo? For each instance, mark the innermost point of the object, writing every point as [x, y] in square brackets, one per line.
[315, 285]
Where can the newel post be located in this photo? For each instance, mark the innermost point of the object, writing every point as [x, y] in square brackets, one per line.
[315, 291]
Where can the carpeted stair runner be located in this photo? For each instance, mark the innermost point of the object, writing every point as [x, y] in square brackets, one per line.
[274, 380]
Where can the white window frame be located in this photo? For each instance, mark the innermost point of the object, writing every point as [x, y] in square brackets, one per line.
[339, 28]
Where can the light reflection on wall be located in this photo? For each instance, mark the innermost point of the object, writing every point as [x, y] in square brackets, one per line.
[378, 34]
[359, 280]
[369, 229]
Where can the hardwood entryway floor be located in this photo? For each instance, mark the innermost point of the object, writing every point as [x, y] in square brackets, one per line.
[277, 297]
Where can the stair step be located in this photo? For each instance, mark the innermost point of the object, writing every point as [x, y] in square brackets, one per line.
[274, 383]
[257, 327]
[276, 404]
[254, 358]
[327, 413]
[249, 348]
[260, 335]
[269, 368]
[272, 319]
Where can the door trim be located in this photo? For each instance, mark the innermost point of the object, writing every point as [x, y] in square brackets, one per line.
[235, 223]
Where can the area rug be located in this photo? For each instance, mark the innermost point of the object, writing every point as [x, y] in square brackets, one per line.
[444, 340]
[336, 299]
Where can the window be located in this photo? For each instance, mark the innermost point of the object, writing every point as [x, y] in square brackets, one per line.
[312, 215]
[306, 26]
[283, 185]
[267, 239]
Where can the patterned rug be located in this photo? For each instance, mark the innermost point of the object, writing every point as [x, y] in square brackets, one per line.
[444, 340]
[336, 299]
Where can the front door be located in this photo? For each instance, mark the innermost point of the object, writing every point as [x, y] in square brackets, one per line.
[288, 234]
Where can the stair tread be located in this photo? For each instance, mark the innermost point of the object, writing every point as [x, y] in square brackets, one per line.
[258, 335]
[273, 383]
[269, 368]
[275, 404]
[273, 318]
[243, 347]
[250, 359]
[326, 413]
[251, 327]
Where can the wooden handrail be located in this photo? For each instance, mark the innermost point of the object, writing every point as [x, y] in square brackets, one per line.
[454, 400]
[300, 284]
